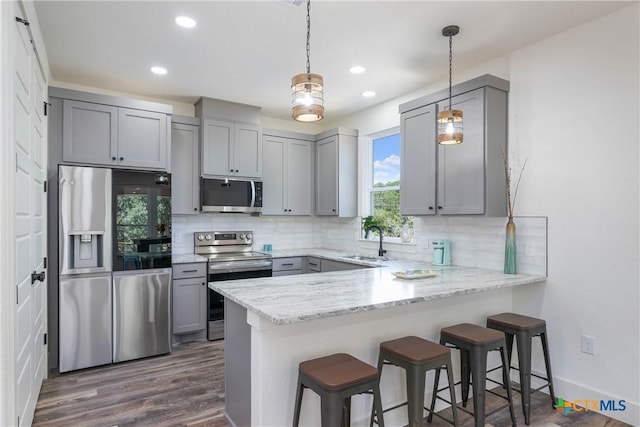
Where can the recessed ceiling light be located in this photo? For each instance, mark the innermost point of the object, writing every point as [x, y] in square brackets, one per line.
[159, 70]
[357, 69]
[368, 94]
[185, 21]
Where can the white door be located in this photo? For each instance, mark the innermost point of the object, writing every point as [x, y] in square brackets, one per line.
[30, 224]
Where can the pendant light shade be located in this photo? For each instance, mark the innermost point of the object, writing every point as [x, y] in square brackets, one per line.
[449, 120]
[307, 89]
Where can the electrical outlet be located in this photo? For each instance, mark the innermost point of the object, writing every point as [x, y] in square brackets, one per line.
[529, 248]
[588, 345]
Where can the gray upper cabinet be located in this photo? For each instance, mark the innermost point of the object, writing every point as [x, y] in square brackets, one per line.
[336, 173]
[184, 167]
[464, 179]
[231, 149]
[418, 161]
[286, 176]
[97, 133]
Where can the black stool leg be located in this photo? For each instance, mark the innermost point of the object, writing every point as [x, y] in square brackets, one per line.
[346, 412]
[465, 374]
[523, 341]
[373, 408]
[478, 373]
[509, 394]
[296, 412]
[415, 395]
[377, 405]
[452, 393]
[547, 364]
[331, 409]
[507, 372]
[436, 381]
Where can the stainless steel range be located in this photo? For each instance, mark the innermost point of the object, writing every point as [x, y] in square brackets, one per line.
[231, 257]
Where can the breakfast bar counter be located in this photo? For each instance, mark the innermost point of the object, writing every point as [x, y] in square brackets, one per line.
[272, 324]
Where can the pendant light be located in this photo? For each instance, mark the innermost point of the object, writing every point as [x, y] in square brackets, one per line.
[307, 88]
[450, 121]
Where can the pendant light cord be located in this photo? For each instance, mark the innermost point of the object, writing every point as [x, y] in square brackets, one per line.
[450, 69]
[308, 36]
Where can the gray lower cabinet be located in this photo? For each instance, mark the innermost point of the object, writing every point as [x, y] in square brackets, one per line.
[189, 297]
[185, 181]
[114, 136]
[287, 266]
[286, 176]
[331, 265]
[336, 173]
[464, 179]
[231, 149]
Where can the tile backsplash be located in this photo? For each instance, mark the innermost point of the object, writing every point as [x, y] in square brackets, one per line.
[475, 241]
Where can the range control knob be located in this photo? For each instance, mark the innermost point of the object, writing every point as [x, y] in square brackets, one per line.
[207, 237]
[241, 236]
[249, 236]
[201, 237]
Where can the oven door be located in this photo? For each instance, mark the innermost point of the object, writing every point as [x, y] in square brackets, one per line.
[215, 315]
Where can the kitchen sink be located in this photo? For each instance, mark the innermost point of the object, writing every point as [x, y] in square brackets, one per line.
[362, 258]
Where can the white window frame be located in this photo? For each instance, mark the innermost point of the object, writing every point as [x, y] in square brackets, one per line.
[369, 189]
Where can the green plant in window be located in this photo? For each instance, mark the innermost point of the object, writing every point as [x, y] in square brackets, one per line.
[367, 223]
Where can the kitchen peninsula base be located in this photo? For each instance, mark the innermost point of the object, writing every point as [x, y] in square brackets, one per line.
[262, 357]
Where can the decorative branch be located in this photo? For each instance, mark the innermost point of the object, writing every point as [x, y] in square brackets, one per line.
[511, 202]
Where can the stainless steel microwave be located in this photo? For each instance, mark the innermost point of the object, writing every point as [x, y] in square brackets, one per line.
[230, 195]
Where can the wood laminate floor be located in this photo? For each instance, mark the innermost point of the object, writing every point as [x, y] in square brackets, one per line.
[186, 388]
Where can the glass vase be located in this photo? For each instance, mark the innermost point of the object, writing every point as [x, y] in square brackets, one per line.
[510, 248]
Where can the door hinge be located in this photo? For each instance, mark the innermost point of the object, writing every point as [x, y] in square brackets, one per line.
[22, 21]
[45, 186]
[46, 107]
[45, 339]
[45, 262]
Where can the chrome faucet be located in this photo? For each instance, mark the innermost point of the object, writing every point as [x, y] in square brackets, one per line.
[381, 251]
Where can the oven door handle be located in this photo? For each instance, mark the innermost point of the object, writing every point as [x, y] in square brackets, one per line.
[230, 267]
[253, 194]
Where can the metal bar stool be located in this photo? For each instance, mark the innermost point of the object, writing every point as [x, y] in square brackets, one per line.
[335, 379]
[417, 356]
[474, 343]
[524, 329]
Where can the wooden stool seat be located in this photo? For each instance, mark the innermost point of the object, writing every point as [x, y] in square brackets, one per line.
[417, 356]
[415, 350]
[335, 378]
[474, 343]
[524, 329]
[338, 370]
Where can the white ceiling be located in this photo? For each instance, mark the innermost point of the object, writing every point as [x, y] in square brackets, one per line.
[247, 51]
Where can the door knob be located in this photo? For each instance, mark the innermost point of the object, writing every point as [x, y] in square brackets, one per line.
[37, 277]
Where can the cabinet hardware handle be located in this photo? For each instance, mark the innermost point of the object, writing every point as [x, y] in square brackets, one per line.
[313, 263]
[195, 209]
[121, 158]
[439, 207]
[333, 210]
[202, 283]
[189, 271]
[287, 263]
[230, 170]
[430, 208]
[113, 158]
[237, 170]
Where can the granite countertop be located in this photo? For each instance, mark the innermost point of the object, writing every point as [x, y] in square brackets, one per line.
[187, 258]
[298, 298]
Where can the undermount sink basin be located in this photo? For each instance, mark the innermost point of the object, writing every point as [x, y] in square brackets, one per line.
[362, 258]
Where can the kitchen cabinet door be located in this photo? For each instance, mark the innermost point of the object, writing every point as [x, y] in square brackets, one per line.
[142, 139]
[273, 201]
[418, 162]
[461, 177]
[189, 298]
[247, 151]
[298, 179]
[184, 169]
[89, 133]
[217, 137]
[327, 176]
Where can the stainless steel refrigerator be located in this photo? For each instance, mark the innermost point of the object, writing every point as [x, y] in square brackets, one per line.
[111, 310]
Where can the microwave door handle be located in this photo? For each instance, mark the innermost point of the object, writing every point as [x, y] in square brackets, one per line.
[253, 194]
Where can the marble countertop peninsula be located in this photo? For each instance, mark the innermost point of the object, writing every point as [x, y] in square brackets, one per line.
[298, 298]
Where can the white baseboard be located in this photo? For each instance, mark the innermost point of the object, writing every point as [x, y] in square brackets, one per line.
[571, 391]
